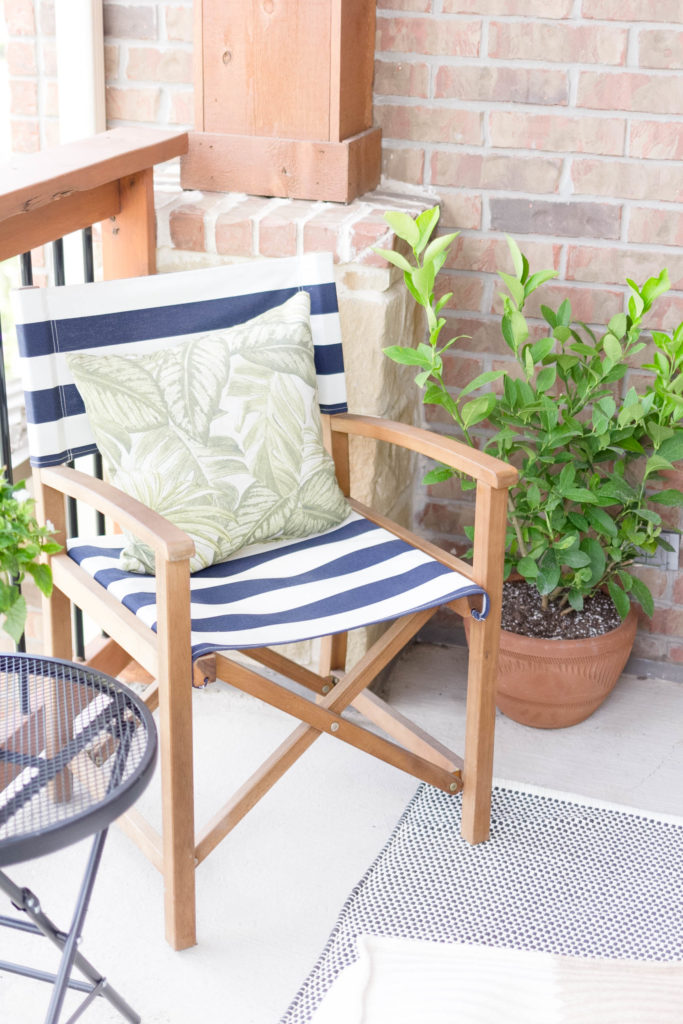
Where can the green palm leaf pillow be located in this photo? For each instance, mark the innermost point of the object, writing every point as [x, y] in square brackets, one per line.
[220, 434]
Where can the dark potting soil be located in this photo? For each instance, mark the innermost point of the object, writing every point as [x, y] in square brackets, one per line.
[523, 613]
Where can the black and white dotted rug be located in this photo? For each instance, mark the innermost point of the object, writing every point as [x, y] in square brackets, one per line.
[559, 875]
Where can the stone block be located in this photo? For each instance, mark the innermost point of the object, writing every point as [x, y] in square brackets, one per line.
[573, 219]
[655, 94]
[432, 36]
[429, 124]
[563, 41]
[125, 21]
[660, 48]
[489, 83]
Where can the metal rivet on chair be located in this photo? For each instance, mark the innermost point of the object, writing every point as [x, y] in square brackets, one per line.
[335, 726]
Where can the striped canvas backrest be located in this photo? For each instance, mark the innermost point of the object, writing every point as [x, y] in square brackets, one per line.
[146, 314]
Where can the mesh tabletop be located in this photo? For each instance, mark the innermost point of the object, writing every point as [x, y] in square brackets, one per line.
[76, 750]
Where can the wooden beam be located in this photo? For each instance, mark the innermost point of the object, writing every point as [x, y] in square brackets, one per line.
[30, 181]
[290, 168]
[36, 226]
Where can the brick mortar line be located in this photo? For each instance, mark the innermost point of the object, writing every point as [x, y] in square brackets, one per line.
[551, 154]
[509, 106]
[639, 248]
[524, 63]
[135, 83]
[572, 20]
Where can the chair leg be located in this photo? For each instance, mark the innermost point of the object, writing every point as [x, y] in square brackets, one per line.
[57, 626]
[175, 752]
[489, 548]
[479, 731]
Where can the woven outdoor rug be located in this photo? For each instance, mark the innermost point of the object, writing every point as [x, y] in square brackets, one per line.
[559, 875]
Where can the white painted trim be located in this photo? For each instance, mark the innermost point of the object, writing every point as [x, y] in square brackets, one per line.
[80, 68]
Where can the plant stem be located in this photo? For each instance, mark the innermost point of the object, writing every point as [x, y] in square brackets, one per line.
[518, 529]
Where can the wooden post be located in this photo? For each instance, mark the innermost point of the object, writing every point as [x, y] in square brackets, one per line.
[254, 60]
[129, 237]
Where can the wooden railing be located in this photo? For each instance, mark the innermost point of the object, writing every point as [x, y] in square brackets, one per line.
[105, 179]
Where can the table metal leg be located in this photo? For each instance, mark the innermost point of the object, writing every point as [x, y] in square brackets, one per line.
[67, 942]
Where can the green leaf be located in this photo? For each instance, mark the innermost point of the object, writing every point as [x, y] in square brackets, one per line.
[581, 494]
[514, 287]
[602, 522]
[442, 302]
[577, 520]
[15, 618]
[642, 594]
[407, 356]
[404, 226]
[518, 327]
[569, 540]
[656, 463]
[617, 325]
[546, 378]
[484, 378]
[396, 258]
[42, 575]
[541, 348]
[576, 559]
[672, 449]
[612, 348]
[594, 550]
[620, 599]
[575, 598]
[536, 280]
[548, 573]
[527, 568]
[517, 258]
[426, 222]
[549, 316]
[438, 475]
[423, 280]
[655, 286]
[564, 313]
[670, 497]
[476, 411]
[438, 246]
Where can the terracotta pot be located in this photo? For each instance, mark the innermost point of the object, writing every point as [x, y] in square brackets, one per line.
[550, 684]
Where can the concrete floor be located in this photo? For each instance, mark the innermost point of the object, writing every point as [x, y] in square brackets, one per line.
[268, 897]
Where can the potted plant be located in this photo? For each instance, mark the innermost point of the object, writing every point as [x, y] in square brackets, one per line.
[22, 542]
[590, 453]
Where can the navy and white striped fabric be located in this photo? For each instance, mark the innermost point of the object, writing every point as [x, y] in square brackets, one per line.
[150, 313]
[284, 591]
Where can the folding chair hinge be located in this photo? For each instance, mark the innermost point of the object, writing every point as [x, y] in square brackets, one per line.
[331, 681]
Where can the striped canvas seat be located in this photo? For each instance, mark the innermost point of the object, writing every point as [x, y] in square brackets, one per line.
[269, 594]
[365, 570]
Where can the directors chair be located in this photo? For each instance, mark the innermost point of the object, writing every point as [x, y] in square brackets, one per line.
[217, 400]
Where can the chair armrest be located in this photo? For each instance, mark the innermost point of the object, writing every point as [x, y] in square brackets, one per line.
[166, 540]
[486, 468]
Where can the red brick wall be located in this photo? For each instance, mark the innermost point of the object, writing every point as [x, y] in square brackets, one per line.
[148, 62]
[32, 69]
[148, 67]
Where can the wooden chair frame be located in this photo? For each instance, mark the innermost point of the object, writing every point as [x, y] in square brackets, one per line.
[166, 656]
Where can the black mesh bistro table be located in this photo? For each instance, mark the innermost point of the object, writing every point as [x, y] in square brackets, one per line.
[76, 750]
